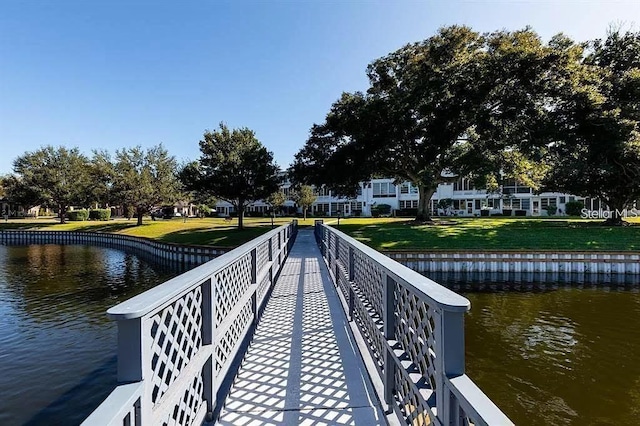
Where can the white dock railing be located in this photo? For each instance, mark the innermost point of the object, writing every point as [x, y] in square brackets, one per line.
[413, 331]
[177, 341]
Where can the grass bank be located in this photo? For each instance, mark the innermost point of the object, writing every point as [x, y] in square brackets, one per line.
[494, 234]
[208, 231]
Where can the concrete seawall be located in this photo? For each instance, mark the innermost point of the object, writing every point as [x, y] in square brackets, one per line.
[520, 262]
[170, 252]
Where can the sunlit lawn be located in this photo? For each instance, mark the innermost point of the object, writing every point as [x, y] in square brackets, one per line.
[208, 231]
[383, 233]
[493, 234]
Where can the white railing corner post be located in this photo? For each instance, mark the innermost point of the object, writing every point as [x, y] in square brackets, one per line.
[450, 361]
[388, 321]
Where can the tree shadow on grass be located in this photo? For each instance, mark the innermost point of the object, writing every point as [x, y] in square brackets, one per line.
[486, 235]
[229, 236]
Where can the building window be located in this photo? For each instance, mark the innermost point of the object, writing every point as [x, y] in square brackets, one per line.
[384, 189]
[563, 200]
[404, 188]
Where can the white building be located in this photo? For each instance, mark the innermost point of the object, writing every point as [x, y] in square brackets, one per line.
[463, 200]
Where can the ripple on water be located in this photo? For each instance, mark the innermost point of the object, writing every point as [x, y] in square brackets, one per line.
[54, 335]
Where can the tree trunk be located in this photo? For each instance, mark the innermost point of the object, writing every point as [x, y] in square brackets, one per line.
[304, 213]
[425, 195]
[63, 212]
[616, 218]
[240, 216]
[139, 213]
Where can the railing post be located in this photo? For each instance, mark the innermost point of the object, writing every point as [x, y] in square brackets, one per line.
[254, 285]
[352, 264]
[388, 318]
[208, 372]
[270, 250]
[131, 359]
[449, 361]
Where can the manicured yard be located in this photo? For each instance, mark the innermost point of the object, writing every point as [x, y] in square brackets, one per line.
[208, 231]
[383, 233]
[493, 234]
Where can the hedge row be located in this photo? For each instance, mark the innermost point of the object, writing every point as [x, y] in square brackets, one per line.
[82, 215]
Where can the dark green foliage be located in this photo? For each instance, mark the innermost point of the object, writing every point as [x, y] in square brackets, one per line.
[458, 102]
[551, 210]
[574, 208]
[57, 177]
[145, 179]
[381, 210]
[100, 214]
[78, 215]
[233, 166]
[596, 147]
[406, 212]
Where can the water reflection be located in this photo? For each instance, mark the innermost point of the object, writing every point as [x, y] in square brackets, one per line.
[564, 356]
[57, 347]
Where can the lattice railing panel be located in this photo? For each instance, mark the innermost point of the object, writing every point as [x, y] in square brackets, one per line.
[176, 333]
[343, 281]
[185, 410]
[263, 287]
[370, 326]
[415, 331]
[230, 284]
[226, 343]
[262, 256]
[368, 277]
[343, 254]
[410, 400]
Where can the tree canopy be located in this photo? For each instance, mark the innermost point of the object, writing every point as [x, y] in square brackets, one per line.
[305, 197]
[233, 166]
[596, 149]
[52, 176]
[144, 179]
[457, 103]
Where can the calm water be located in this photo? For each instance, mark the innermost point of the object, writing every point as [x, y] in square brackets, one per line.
[57, 346]
[567, 356]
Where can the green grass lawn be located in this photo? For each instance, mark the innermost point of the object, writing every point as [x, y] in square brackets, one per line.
[208, 231]
[382, 234]
[494, 234]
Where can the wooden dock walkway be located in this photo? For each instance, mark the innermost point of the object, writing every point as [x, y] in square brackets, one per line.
[302, 367]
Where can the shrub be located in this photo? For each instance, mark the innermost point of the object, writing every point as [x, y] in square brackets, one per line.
[78, 215]
[574, 208]
[551, 210]
[406, 212]
[520, 212]
[380, 210]
[100, 214]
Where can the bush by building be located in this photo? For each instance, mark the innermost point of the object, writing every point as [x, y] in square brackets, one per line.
[574, 208]
[78, 215]
[100, 214]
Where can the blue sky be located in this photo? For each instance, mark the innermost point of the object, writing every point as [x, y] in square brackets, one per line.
[114, 74]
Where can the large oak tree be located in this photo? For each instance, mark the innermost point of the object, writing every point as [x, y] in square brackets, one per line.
[52, 176]
[457, 103]
[233, 166]
[596, 148]
[144, 179]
